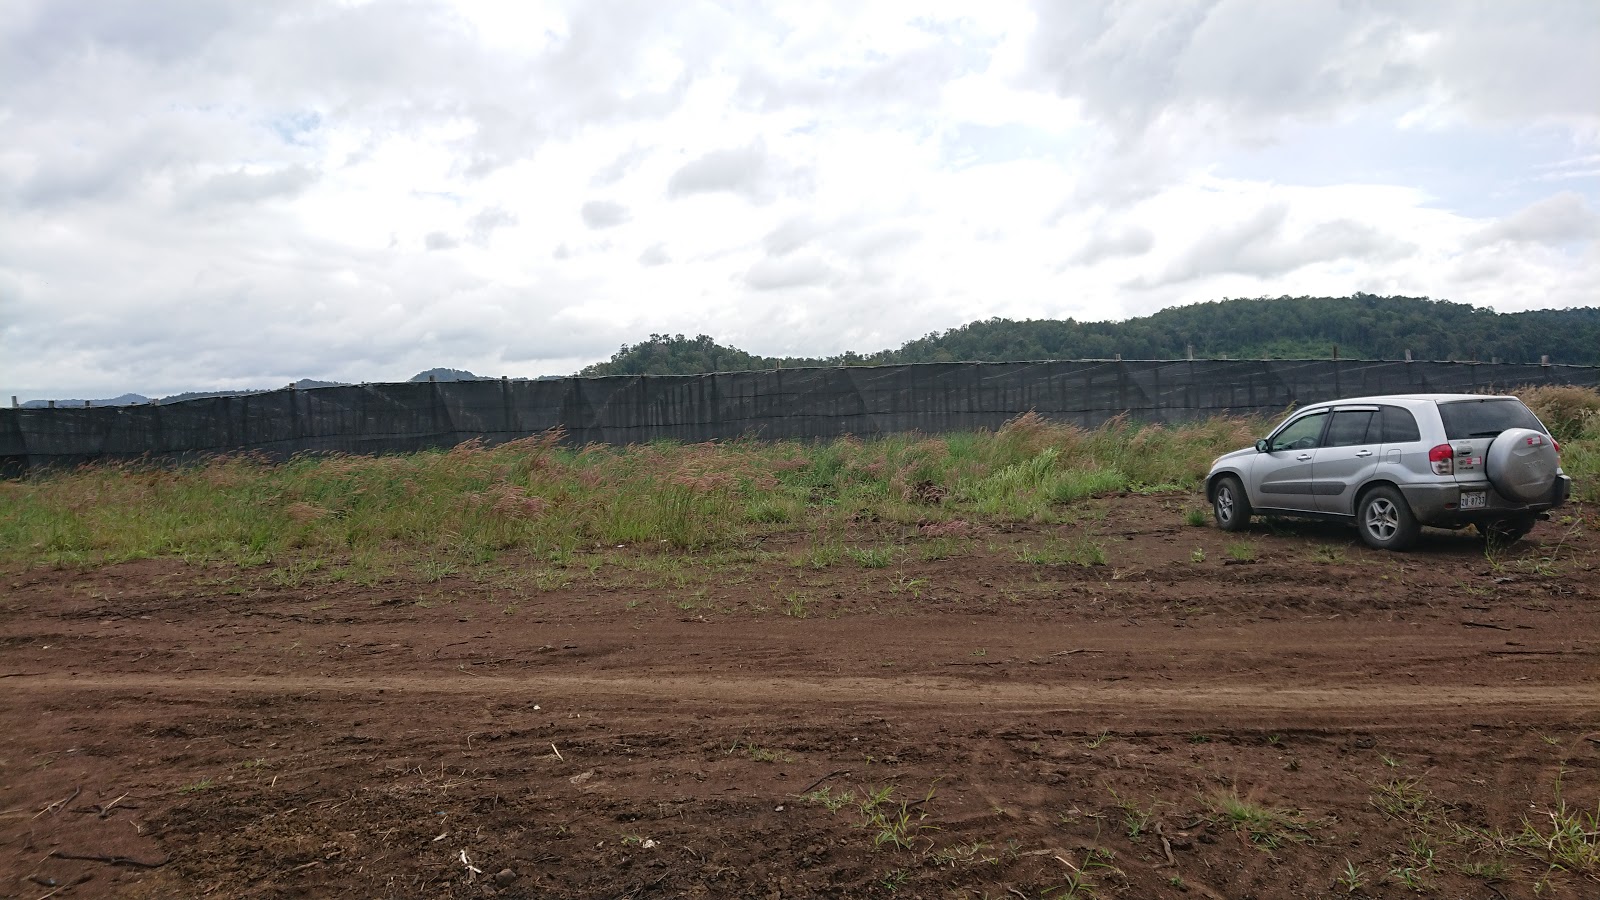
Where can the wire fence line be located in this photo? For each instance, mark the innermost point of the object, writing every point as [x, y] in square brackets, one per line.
[806, 403]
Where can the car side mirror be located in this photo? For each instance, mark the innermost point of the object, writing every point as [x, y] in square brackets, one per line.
[1261, 445]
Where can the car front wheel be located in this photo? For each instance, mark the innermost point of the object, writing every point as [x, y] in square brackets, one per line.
[1385, 521]
[1230, 505]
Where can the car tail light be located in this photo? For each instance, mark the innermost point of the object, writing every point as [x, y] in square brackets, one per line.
[1557, 445]
[1443, 459]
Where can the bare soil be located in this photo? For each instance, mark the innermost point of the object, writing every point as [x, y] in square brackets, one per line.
[637, 724]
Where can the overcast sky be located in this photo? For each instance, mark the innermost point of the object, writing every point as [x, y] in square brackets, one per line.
[197, 194]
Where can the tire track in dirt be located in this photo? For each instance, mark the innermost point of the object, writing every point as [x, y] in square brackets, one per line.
[1314, 702]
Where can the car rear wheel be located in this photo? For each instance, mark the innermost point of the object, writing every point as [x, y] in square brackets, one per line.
[1506, 531]
[1230, 505]
[1385, 521]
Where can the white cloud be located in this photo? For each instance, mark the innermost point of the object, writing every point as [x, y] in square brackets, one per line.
[237, 195]
[797, 271]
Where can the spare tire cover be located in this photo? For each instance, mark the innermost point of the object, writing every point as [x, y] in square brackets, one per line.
[1521, 464]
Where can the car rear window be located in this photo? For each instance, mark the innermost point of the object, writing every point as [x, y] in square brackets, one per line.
[1399, 425]
[1465, 419]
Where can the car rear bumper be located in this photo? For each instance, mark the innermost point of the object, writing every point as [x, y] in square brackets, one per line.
[1440, 504]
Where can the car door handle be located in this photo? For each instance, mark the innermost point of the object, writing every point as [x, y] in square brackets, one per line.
[1303, 457]
[1363, 452]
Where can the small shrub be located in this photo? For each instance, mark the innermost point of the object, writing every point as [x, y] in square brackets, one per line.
[872, 557]
[1267, 827]
[1079, 552]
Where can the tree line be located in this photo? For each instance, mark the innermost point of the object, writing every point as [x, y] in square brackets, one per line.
[1362, 326]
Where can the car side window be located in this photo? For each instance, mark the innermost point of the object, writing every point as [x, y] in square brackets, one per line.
[1399, 425]
[1301, 434]
[1349, 428]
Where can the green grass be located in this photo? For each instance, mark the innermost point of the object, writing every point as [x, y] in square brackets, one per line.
[1077, 552]
[1267, 827]
[204, 784]
[872, 557]
[442, 515]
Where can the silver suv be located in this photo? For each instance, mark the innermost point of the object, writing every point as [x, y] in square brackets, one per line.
[1394, 464]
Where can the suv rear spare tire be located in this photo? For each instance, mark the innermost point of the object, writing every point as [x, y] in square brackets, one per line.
[1522, 465]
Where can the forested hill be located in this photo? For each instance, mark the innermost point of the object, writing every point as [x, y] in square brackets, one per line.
[1362, 327]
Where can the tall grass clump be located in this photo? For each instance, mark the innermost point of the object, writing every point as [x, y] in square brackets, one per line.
[1571, 413]
[1573, 416]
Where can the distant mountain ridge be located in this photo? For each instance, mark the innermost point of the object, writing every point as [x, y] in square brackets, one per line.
[446, 375]
[1361, 326]
[301, 385]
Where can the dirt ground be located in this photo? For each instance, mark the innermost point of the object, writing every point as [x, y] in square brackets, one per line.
[1282, 714]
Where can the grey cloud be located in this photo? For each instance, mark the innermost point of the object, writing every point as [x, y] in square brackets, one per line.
[654, 255]
[1555, 220]
[604, 214]
[1510, 61]
[209, 310]
[1112, 242]
[854, 239]
[1132, 63]
[1240, 62]
[1258, 246]
[777, 274]
[240, 186]
[482, 226]
[163, 30]
[398, 67]
[791, 235]
[614, 171]
[742, 170]
[438, 240]
[91, 158]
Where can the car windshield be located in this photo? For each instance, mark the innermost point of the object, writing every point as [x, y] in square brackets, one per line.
[1467, 419]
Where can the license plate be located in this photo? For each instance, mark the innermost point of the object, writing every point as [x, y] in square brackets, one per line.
[1474, 499]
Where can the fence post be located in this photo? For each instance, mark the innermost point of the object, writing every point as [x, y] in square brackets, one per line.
[52, 404]
[508, 420]
[13, 401]
[1408, 356]
[1544, 360]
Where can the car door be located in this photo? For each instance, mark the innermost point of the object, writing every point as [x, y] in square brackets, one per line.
[1347, 458]
[1282, 475]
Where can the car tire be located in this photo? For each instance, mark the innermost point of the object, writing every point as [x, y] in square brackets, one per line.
[1501, 532]
[1230, 505]
[1385, 521]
